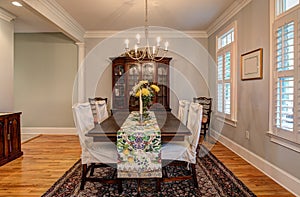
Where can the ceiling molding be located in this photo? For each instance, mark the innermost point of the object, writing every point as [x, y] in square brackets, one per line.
[57, 15]
[5, 15]
[106, 34]
[227, 15]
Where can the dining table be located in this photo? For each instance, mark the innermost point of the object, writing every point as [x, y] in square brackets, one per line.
[172, 129]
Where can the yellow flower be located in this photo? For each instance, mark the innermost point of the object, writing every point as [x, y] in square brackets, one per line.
[155, 88]
[138, 93]
[145, 92]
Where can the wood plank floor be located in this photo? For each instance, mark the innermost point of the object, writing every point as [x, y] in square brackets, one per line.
[255, 180]
[47, 157]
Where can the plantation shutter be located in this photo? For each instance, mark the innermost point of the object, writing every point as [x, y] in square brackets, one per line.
[285, 77]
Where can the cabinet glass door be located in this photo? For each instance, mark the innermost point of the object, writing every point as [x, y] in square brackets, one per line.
[119, 86]
[162, 82]
[148, 71]
[133, 77]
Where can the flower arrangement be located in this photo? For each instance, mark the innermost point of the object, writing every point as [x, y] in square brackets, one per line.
[145, 91]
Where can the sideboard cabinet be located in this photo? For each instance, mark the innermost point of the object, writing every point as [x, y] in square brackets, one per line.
[127, 72]
[10, 137]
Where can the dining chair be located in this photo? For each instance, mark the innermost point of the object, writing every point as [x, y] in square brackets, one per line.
[183, 110]
[100, 154]
[207, 106]
[92, 102]
[184, 153]
[101, 110]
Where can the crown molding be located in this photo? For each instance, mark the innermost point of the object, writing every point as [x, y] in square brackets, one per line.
[51, 10]
[5, 15]
[235, 7]
[172, 34]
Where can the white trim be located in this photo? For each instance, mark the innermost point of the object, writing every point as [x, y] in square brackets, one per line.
[49, 130]
[286, 180]
[284, 142]
[106, 34]
[233, 9]
[6, 15]
[57, 15]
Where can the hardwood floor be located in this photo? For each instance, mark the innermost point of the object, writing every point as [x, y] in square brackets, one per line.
[47, 157]
[45, 160]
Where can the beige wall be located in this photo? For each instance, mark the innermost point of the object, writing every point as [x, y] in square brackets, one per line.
[253, 95]
[45, 69]
[6, 66]
[186, 81]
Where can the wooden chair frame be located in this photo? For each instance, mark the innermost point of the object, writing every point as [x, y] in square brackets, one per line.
[207, 109]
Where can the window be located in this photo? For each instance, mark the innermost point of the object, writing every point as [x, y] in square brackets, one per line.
[226, 75]
[285, 77]
[284, 5]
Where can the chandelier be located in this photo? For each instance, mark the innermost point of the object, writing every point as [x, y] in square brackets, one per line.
[152, 53]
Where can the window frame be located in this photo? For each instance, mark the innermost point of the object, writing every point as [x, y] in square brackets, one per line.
[229, 119]
[277, 135]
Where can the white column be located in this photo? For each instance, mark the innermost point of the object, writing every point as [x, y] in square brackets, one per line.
[81, 72]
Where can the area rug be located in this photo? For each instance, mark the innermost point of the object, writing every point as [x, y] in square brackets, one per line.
[214, 179]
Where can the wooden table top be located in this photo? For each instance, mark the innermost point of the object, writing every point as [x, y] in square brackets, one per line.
[171, 128]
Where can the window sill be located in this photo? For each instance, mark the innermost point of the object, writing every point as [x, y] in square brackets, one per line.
[284, 142]
[227, 121]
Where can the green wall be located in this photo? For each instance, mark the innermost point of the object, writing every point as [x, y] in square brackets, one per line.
[45, 69]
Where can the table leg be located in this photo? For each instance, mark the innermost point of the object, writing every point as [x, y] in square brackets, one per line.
[139, 187]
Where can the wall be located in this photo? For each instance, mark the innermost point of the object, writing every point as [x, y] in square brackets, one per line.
[6, 66]
[45, 69]
[186, 81]
[253, 95]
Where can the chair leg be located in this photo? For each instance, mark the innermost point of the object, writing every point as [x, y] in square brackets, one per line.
[194, 175]
[83, 176]
[92, 169]
[158, 184]
[120, 188]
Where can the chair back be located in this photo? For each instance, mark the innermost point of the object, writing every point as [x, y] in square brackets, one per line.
[83, 117]
[183, 110]
[207, 105]
[101, 109]
[194, 125]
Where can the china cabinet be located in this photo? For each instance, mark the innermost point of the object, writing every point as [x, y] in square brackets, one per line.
[127, 72]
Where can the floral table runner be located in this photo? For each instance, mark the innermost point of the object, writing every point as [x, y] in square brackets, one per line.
[139, 148]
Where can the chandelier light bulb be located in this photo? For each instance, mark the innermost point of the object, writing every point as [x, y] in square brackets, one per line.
[138, 37]
[166, 45]
[158, 41]
[126, 43]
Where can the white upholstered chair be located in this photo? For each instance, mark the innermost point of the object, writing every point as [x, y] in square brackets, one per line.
[183, 110]
[101, 154]
[184, 153]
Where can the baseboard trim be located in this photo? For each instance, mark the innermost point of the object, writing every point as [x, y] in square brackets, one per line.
[49, 130]
[280, 176]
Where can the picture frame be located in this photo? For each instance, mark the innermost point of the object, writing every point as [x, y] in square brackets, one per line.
[251, 65]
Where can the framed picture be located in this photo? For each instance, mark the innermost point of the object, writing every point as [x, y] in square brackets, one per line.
[251, 65]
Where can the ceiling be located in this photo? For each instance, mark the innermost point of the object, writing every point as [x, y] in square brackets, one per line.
[115, 15]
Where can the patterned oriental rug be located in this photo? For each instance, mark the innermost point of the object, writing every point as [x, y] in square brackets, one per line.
[214, 179]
